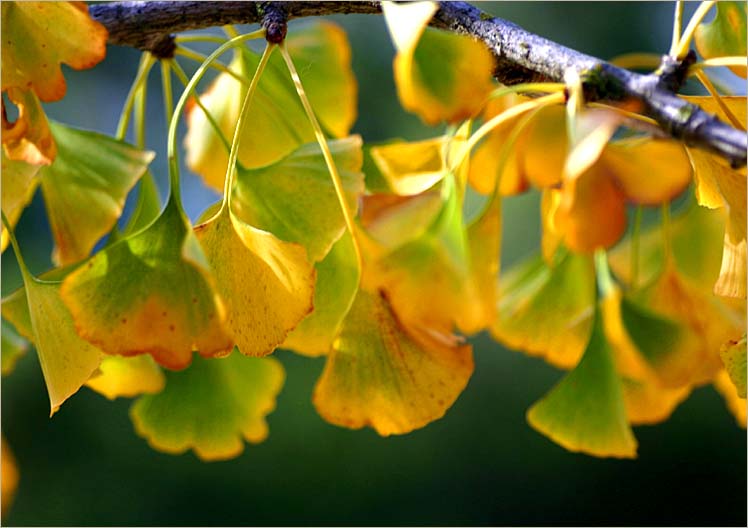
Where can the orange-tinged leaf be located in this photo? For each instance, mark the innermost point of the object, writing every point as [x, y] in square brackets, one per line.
[733, 357]
[545, 310]
[267, 284]
[440, 76]
[150, 293]
[392, 221]
[28, 138]
[735, 404]
[39, 36]
[86, 187]
[127, 377]
[725, 35]
[381, 374]
[211, 407]
[545, 147]
[9, 476]
[648, 403]
[412, 167]
[19, 183]
[649, 171]
[278, 122]
[585, 411]
[551, 236]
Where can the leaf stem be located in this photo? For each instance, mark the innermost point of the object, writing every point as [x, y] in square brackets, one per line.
[677, 26]
[241, 124]
[496, 121]
[182, 76]
[605, 282]
[718, 99]
[681, 49]
[199, 38]
[322, 141]
[718, 61]
[146, 63]
[635, 245]
[27, 276]
[168, 94]
[198, 75]
[196, 56]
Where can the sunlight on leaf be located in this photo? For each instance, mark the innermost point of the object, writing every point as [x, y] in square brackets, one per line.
[127, 377]
[381, 374]
[150, 293]
[211, 407]
[19, 183]
[585, 411]
[338, 277]
[725, 35]
[546, 310]
[86, 187]
[295, 199]
[279, 125]
[29, 137]
[267, 284]
[440, 76]
[39, 36]
[412, 167]
[733, 357]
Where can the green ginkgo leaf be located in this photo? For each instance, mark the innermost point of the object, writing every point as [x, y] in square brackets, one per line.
[19, 182]
[211, 407]
[86, 186]
[295, 199]
[338, 277]
[585, 411]
[150, 293]
[267, 284]
[733, 356]
[279, 124]
[546, 310]
[13, 347]
[381, 374]
[725, 35]
[67, 361]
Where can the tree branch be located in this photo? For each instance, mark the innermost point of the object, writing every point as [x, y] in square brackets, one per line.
[521, 56]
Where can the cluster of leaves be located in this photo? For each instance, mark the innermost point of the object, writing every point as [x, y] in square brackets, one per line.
[376, 271]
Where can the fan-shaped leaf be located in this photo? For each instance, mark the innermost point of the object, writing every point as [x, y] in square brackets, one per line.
[19, 183]
[725, 35]
[127, 376]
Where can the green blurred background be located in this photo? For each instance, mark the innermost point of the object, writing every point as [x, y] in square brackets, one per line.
[479, 465]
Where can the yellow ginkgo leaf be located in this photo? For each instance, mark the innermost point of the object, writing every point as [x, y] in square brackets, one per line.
[28, 138]
[267, 284]
[19, 183]
[546, 310]
[585, 411]
[8, 476]
[440, 76]
[39, 36]
[733, 357]
[735, 404]
[412, 167]
[648, 403]
[150, 293]
[384, 375]
[392, 221]
[127, 377]
[67, 361]
[211, 407]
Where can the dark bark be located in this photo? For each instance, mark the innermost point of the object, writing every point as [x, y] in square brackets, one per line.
[521, 56]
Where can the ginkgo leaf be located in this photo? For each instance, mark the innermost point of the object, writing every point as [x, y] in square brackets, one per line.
[440, 76]
[585, 411]
[545, 147]
[29, 137]
[545, 310]
[279, 125]
[648, 403]
[735, 404]
[725, 35]
[733, 356]
[412, 167]
[267, 284]
[551, 236]
[39, 36]
[127, 376]
[86, 187]
[392, 221]
[150, 293]
[211, 407]
[13, 347]
[19, 183]
[67, 361]
[338, 276]
[8, 476]
[295, 199]
[381, 374]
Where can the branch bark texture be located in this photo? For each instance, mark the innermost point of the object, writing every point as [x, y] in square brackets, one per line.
[521, 56]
